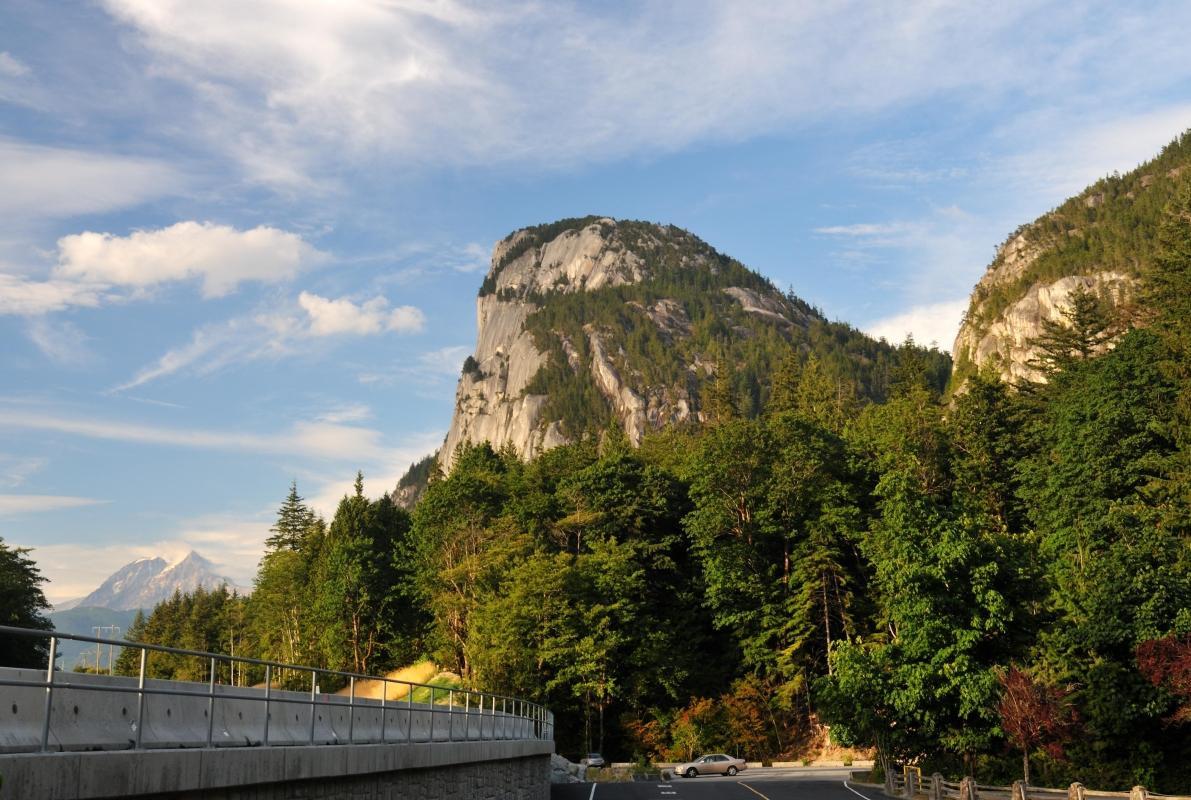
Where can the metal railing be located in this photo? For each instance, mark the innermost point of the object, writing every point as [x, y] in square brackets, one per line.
[493, 716]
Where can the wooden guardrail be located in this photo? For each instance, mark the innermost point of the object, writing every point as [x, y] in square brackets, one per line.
[910, 785]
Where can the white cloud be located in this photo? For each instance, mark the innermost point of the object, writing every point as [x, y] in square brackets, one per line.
[380, 475]
[278, 333]
[293, 88]
[25, 297]
[39, 182]
[323, 440]
[1061, 159]
[11, 504]
[867, 229]
[220, 256]
[936, 323]
[60, 340]
[445, 360]
[342, 316]
[15, 470]
[11, 66]
[351, 412]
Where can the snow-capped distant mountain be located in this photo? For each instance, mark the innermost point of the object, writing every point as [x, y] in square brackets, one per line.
[147, 581]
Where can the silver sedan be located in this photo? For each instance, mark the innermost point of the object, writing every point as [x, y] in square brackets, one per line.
[712, 764]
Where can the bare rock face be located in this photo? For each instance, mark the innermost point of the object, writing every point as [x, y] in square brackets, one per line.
[495, 400]
[1006, 341]
[1102, 240]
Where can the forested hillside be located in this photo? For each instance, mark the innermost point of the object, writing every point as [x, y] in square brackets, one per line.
[913, 572]
[1101, 240]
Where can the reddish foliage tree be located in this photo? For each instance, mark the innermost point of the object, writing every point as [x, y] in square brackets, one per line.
[1035, 716]
[1167, 663]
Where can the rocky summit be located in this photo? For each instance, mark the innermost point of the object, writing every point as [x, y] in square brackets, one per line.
[589, 322]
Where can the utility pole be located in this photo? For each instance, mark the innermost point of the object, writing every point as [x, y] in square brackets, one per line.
[106, 632]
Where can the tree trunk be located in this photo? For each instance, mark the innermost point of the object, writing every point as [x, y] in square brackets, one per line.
[827, 624]
[1025, 766]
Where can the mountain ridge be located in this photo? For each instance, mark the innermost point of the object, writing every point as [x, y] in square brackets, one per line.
[145, 582]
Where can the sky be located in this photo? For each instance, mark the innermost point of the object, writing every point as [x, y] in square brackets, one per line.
[240, 243]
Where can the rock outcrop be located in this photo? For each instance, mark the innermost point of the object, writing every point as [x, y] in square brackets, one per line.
[497, 400]
[1100, 241]
[1006, 343]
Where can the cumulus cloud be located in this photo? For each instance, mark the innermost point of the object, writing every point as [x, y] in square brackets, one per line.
[934, 323]
[342, 316]
[94, 268]
[220, 256]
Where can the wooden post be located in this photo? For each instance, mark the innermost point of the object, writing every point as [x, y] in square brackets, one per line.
[1017, 791]
[1076, 792]
[1139, 793]
[936, 787]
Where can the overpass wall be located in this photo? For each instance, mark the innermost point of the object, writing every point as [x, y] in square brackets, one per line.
[498, 770]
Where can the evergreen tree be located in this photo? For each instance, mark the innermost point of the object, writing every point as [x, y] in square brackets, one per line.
[294, 519]
[22, 605]
[1085, 327]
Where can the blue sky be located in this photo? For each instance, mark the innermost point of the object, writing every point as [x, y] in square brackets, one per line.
[241, 242]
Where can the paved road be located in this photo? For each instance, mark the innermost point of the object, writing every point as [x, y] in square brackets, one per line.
[806, 783]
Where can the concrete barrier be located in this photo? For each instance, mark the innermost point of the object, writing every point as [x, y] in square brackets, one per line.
[100, 712]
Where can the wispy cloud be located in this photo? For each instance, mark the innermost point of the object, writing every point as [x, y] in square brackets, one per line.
[279, 333]
[290, 89]
[1062, 159]
[868, 230]
[23, 296]
[11, 66]
[39, 181]
[60, 340]
[12, 504]
[16, 469]
[351, 412]
[323, 440]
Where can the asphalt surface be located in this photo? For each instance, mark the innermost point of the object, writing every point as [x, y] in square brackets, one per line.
[805, 783]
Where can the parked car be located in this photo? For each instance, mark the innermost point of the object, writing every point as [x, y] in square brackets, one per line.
[712, 764]
[592, 760]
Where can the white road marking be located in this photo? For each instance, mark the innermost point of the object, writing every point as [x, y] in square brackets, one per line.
[754, 791]
[853, 791]
[592, 792]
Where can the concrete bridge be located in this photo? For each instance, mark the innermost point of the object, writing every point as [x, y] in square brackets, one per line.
[77, 736]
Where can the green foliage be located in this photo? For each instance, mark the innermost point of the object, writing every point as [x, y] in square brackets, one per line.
[1111, 225]
[208, 621]
[22, 605]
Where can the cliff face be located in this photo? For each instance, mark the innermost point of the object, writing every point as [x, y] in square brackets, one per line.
[586, 323]
[1101, 240]
[497, 400]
